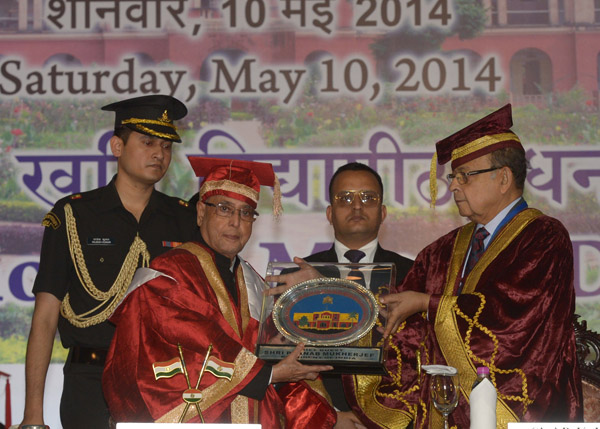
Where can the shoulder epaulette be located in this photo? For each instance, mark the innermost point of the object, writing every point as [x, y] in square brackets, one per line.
[51, 220]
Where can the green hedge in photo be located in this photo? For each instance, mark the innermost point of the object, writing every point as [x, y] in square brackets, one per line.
[22, 211]
[15, 322]
[13, 350]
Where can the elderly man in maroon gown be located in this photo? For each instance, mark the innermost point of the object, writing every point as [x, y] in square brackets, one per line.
[497, 292]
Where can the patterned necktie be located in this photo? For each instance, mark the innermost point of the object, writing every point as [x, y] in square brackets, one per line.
[354, 256]
[477, 249]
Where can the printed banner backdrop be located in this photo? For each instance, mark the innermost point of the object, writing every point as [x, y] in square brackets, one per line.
[307, 86]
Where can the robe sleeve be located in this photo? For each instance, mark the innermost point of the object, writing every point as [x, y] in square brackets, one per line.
[304, 407]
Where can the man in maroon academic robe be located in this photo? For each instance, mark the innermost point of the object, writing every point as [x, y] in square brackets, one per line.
[203, 299]
[497, 292]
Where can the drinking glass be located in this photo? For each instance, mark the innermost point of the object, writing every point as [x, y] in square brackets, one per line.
[444, 394]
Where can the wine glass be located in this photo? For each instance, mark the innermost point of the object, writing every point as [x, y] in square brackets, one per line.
[444, 394]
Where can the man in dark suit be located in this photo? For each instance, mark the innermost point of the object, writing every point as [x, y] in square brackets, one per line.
[356, 213]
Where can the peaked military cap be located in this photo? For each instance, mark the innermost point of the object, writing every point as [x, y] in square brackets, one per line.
[152, 115]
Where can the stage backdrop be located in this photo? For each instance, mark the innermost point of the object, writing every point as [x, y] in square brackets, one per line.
[307, 86]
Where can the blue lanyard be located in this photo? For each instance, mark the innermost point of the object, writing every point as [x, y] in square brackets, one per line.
[518, 208]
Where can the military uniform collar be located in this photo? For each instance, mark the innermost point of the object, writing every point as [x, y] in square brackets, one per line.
[109, 196]
[111, 199]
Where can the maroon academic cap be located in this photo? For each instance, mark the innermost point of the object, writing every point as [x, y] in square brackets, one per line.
[482, 137]
[487, 135]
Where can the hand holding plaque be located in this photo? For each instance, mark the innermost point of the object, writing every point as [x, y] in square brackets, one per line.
[291, 370]
[289, 278]
[332, 314]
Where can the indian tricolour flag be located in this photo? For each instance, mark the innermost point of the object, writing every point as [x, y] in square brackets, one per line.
[220, 368]
[167, 369]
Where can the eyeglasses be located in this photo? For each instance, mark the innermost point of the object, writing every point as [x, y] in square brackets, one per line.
[226, 210]
[368, 198]
[463, 178]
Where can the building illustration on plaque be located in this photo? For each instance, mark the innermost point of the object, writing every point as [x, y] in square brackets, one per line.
[327, 320]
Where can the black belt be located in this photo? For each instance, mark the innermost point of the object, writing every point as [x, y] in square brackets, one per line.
[88, 355]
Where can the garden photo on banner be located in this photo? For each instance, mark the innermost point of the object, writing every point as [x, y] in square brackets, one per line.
[307, 86]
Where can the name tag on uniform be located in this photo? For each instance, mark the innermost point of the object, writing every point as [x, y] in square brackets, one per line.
[100, 241]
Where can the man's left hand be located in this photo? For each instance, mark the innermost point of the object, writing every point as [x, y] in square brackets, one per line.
[290, 370]
[286, 281]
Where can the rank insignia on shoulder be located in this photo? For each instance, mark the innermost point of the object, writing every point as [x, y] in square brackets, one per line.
[184, 203]
[51, 220]
[75, 196]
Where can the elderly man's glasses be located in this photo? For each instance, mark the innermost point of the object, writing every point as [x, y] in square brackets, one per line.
[226, 210]
[368, 198]
[462, 178]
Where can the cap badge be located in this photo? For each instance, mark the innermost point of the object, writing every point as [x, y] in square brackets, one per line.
[165, 117]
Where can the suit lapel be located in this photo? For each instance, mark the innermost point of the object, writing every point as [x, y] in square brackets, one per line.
[330, 255]
[379, 278]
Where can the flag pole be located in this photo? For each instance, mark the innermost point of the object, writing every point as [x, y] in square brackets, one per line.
[200, 378]
[187, 378]
[204, 365]
[8, 409]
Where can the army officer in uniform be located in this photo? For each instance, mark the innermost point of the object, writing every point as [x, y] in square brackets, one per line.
[93, 243]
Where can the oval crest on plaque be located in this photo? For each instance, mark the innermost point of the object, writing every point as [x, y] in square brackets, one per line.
[325, 312]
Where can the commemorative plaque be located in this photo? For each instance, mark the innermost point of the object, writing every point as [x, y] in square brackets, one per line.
[331, 310]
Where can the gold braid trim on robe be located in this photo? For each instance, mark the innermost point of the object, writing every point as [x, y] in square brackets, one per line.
[367, 392]
[240, 410]
[245, 360]
[456, 350]
[212, 274]
[368, 395]
[243, 364]
[366, 388]
[243, 294]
